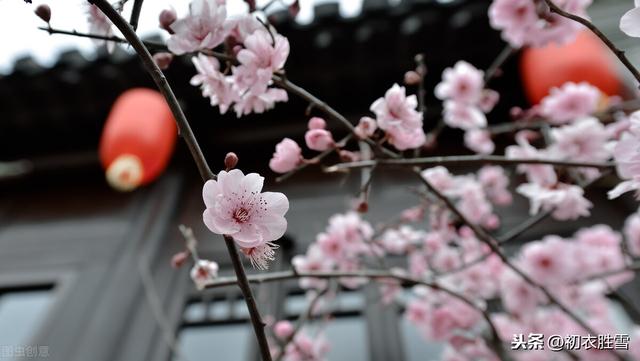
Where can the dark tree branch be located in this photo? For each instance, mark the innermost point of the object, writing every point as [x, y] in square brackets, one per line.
[205, 172]
[135, 14]
[466, 160]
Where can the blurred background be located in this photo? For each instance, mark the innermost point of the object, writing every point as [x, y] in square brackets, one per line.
[85, 270]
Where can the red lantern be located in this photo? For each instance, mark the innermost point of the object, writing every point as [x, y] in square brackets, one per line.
[138, 139]
[586, 59]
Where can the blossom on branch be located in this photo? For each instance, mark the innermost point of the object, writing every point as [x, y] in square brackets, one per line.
[531, 23]
[287, 157]
[236, 206]
[397, 115]
[626, 154]
[203, 273]
[569, 102]
[566, 201]
[204, 28]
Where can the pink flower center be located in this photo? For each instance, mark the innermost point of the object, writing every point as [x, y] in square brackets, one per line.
[241, 215]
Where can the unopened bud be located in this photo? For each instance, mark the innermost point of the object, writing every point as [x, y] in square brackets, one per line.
[363, 207]
[44, 12]
[412, 78]
[179, 259]
[163, 60]
[294, 9]
[166, 18]
[230, 161]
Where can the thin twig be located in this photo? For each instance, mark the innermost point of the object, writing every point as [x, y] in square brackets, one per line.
[465, 160]
[617, 52]
[494, 69]
[315, 160]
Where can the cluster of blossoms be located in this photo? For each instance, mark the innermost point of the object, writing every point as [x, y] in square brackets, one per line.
[298, 345]
[530, 22]
[465, 103]
[340, 247]
[259, 50]
[627, 156]
[396, 115]
[288, 154]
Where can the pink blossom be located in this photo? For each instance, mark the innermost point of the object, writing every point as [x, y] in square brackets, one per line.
[259, 103]
[583, 140]
[213, 83]
[397, 109]
[518, 296]
[539, 174]
[264, 53]
[287, 157]
[236, 207]
[495, 183]
[463, 83]
[317, 123]
[99, 24]
[479, 140]
[319, 139]
[261, 255]
[599, 251]
[397, 115]
[283, 329]
[632, 233]
[565, 201]
[306, 348]
[397, 241]
[403, 139]
[204, 28]
[446, 259]
[548, 261]
[242, 26]
[629, 23]
[439, 177]
[203, 273]
[473, 203]
[463, 116]
[521, 25]
[627, 157]
[569, 102]
[314, 260]
[366, 127]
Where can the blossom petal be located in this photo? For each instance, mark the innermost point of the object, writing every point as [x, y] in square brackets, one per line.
[630, 22]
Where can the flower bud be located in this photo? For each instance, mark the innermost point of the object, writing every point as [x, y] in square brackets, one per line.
[230, 161]
[44, 12]
[317, 123]
[166, 18]
[319, 139]
[412, 78]
[163, 60]
[179, 259]
[283, 329]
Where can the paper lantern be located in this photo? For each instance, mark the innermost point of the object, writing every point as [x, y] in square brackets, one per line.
[586, 59]
[138, 139]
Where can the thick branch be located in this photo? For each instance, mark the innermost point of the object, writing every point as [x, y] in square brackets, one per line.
[619, 53]
[135, 14]
[198, 156]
